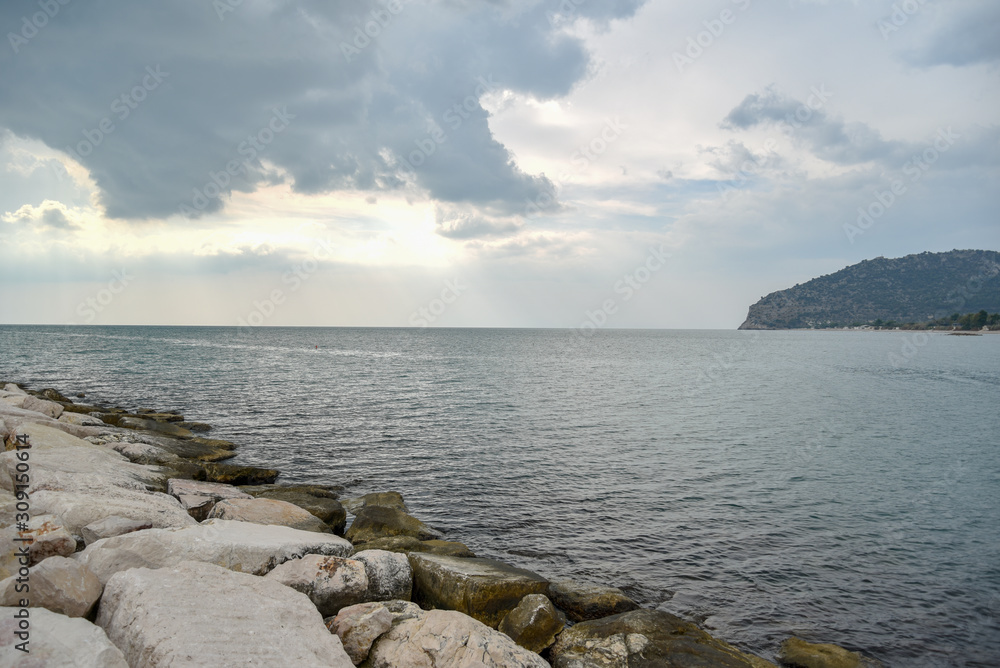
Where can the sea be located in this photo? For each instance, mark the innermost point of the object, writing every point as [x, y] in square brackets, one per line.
[841, 487]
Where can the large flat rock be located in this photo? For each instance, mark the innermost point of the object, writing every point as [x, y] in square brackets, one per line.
[485, 589]
[268, 511]
[78, 509]
[238, 546]
[13, 417]
[448, 639]
[57, 640]
[320, 501]
[60, 461]
[199, 615]
[645, 639]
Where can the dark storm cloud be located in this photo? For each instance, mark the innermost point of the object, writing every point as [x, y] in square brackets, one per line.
[171, 104]
[969, 36]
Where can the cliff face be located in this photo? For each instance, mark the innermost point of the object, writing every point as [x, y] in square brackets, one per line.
[914, 288]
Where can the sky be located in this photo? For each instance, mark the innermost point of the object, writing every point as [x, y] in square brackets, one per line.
[481, 163]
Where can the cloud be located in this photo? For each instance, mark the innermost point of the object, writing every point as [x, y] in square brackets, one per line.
[968, 36]
[49, 215]
[829, 138]
[157, 120]
[467, 223]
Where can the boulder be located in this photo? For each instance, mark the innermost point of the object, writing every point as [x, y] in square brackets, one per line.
[390, 577]
[320, 501]
[383, 499]
[448, 639]
[238, 475]
[45, 537]
[358, 626]
[193, 449]
[801, 654]
[55, 395]
[199, 615]
[60, 461]
[213, 490]
[645, 638]
[43, 406]
[534, 623]
[78, 510]
[331, 583]
[15, 400]
[407, 544]
[13, 388]
[112, 526]
[218, 443]
[142, 424]
[198, 427]
[239, 546]
[13, 418]
[485, 589]
[79, 419]
[374, 522]
[268, 511]
[142, 453]
[160, 417]
[583, 602]
[57, 640]
[58, 584]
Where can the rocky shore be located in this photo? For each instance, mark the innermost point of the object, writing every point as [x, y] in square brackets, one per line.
[128, 541]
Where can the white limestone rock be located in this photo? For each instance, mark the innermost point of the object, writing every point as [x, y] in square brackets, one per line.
[198, 615]
[389, 575]
[57, 640]
[238, 546]
[58, 584]
[331, 583]
[448, 639]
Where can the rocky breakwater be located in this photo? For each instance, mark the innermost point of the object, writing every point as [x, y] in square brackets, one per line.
[126, 543]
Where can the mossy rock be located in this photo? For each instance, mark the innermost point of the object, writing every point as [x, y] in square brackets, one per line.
[55, 395]
[408, 544]
[218, 443]
[485, 589]
[646, 639]
[583, 602]
[801, 654]
[237, 475]
[373, 522]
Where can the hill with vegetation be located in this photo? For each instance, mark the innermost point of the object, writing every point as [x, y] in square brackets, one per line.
[912, 289]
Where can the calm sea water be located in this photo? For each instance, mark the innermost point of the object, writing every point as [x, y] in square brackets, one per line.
[840, 486]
